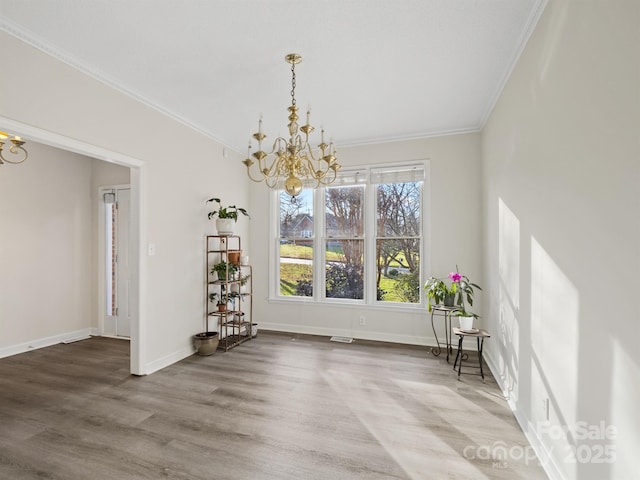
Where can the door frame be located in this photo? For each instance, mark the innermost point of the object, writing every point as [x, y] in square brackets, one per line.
[138, 354]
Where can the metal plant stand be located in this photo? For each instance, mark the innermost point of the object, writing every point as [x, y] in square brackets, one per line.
[443, 311]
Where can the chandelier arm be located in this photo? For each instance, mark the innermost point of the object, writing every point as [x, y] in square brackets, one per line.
[14, 151]
[308, 167]
[274, 148]
[309, 150]
[272, 182]
[267, 172]
[258, 180]
[324, 181]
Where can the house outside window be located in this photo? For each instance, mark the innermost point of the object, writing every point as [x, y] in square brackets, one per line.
[360, 240]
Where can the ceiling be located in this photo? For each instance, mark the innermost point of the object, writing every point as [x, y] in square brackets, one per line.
[372, 70]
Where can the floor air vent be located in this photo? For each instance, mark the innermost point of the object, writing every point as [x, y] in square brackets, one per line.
[342, 339]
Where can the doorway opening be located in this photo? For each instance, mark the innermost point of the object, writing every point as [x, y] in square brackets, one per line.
[115, 204]
[137, 181]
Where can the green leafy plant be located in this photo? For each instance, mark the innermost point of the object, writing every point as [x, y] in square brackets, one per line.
[213, 296]
[226, 212]
[436, 291]
[225, 270]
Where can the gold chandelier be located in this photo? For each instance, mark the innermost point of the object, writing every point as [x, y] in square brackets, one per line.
[18, 152]
[293, 160]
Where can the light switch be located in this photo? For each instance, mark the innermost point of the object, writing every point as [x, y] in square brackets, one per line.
[151, 249]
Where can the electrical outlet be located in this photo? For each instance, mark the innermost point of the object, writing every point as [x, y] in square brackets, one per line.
[363, 321]
[546, 409]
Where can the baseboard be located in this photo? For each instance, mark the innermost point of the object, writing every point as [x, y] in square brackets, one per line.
[168, 360]
[361, 335]
[34, 344]
[547, 461]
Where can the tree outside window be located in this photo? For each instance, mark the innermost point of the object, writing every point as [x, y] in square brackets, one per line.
[344, 247]
[398, 226]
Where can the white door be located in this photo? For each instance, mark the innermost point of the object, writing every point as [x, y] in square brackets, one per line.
[117, 320]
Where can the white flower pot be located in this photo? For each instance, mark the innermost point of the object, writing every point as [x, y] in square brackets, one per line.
[466, 323]
[225, 226]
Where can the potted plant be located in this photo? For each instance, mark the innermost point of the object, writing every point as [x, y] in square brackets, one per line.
[239, 287]
[464, 289]
[226, 216]
[221, 303]
[234, 256]
[438, 293]
[225, 270]
[206, 342]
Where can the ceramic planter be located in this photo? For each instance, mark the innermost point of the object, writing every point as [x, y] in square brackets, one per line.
[466, 323]
[206, 342]
[234, 256]
[225, 226]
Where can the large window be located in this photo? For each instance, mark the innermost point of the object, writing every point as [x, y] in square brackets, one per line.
[358, 241]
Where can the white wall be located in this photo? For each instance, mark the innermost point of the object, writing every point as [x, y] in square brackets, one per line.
[180, 169]
[561, 178]
[45, 249]
[452, 228]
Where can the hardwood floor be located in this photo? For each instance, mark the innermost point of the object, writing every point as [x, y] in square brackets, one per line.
[279, 407]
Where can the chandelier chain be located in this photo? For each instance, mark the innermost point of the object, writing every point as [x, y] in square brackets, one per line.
[293, 84]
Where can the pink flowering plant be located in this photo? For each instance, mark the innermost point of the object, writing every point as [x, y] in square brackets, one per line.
[459, 293]
[463, 288]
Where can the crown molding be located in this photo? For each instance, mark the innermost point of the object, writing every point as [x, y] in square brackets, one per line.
[40, 44]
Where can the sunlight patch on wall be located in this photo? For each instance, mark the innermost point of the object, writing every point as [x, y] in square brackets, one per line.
[554, 326]
[554, 343]
[624, 413]
[509, 297]
[509, 253]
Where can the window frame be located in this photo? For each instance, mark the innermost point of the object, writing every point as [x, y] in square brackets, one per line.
[370, 237]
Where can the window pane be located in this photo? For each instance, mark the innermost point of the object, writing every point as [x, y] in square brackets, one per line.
[296, 268]
[398, 276]
[296, 215]
[398, 209]
[398, 220]
[296, 244]
[344, 269]
[344, 211]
